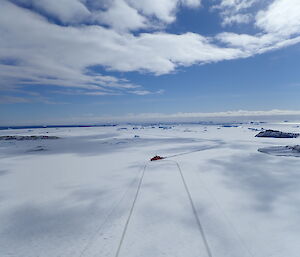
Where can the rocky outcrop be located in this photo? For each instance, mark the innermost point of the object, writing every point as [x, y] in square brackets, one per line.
[276, 134]
[21, 138]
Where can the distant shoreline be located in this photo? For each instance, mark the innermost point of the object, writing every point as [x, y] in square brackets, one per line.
[206, 123]
[56, 126]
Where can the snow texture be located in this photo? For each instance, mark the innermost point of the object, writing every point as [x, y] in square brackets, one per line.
[71, 197]
[282, 150]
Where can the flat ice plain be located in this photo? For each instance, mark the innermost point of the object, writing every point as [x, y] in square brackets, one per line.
[71, 197]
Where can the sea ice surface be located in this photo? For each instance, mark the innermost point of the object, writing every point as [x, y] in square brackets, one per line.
[72, 196]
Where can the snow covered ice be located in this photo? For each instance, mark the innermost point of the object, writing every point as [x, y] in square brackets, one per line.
[72, 196]
[282, 150]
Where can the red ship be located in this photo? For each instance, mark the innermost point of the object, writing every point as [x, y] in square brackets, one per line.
[156, 158]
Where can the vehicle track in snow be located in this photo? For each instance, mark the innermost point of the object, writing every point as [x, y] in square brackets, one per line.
[190, 199]
[91, 240]
[199, 223]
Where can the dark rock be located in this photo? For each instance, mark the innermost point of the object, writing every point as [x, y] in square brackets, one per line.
[21, 138]
[276, 134]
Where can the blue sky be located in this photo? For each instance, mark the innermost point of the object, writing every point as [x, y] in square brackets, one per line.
[80, 60]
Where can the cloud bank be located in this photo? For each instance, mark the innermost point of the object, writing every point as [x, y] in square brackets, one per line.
[213, 117]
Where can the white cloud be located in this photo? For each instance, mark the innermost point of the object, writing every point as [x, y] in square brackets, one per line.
[236, 5]
[237, 18]
[44, 53]
[247, 42]
[191, 3]
[118, 14]
[147, 92]
[66, 11]
[280, 24]
[257, 44]
[163, 10]
[281, 17]
[141, 92]
[128, 18]
[216, 117]
[235, 11]
[4, 99]
[50, 54]
[185, 49]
